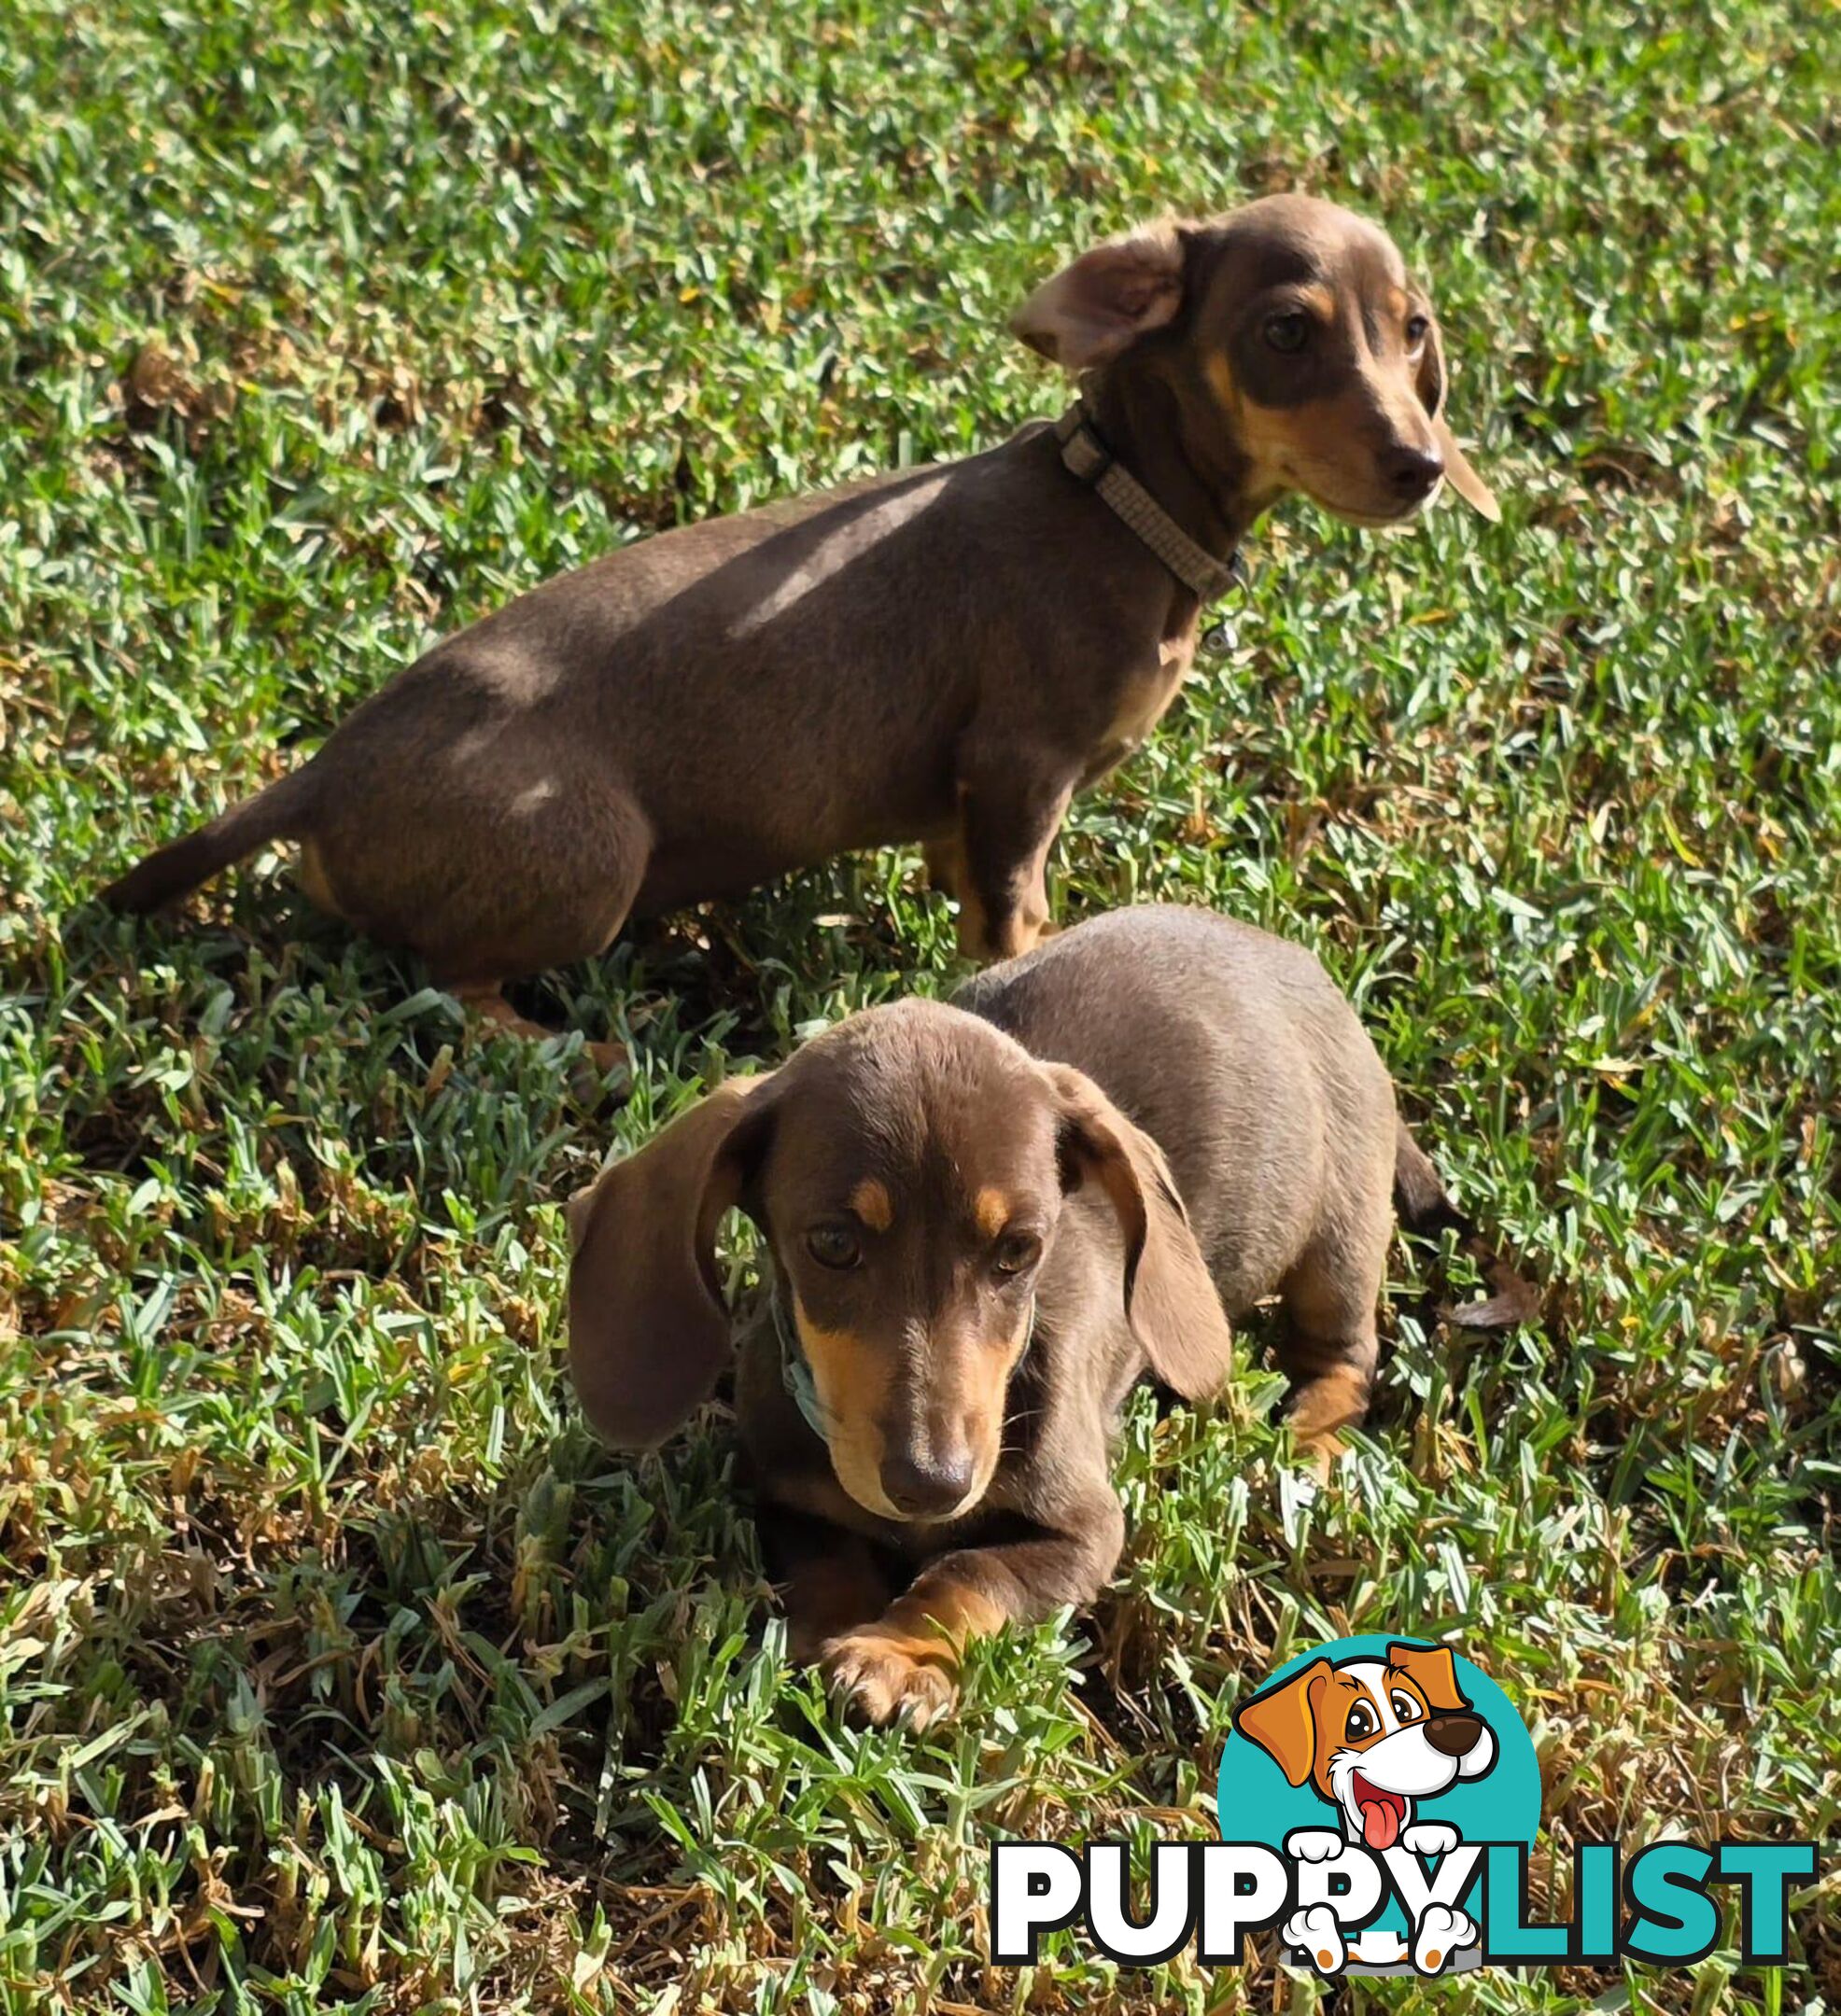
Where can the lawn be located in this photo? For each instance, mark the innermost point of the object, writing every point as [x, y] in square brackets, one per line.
[341, 1669]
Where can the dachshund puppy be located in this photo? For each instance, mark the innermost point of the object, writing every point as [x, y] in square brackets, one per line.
[984, 1223]
[943, 655]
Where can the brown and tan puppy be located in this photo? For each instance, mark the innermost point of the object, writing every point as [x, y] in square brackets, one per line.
[944, 656]
[985, 1222]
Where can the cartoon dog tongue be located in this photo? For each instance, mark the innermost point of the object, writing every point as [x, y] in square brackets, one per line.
[1380, 1815]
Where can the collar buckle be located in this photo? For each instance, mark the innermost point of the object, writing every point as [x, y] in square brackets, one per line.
[1083, 453]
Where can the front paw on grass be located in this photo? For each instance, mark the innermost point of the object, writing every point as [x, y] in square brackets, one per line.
[881, 1677]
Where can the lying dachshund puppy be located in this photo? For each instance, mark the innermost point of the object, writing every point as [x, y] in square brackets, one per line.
[944, 656]
[985, 1222]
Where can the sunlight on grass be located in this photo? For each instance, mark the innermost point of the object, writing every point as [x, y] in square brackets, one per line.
[339, 1669]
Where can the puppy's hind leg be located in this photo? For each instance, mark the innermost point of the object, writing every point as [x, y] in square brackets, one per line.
[1332, 1380]
[487, 1000]
[1329, 1345]
[564, 900]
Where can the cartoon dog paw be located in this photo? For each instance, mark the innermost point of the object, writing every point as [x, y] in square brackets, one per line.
[1430, 1838]
[1313, 1844]
[881, 1676]
[1316, 1933]
[1441, 1935]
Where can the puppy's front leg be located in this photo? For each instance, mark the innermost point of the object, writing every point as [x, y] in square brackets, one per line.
[831, 1581]
[907, 1662]
[1009, 816]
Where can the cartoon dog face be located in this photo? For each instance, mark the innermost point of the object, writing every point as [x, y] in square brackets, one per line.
[1373, 1735]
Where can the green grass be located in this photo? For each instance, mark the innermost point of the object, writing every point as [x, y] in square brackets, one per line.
[339, 1669]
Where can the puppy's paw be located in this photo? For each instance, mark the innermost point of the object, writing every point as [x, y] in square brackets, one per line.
[1313, 1844]
[1430, 1838]
[1316, 1457]
[882, 1677]
[1320, 1410]
[1440, 1935]
[608, 1057]
[1317, 1935]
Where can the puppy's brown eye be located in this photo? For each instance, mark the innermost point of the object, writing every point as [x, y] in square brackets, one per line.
[1360, 1723]
[1017, 1252]
[1287, 332]
[1404, 1706]
[1417, 329]
[832, 1246]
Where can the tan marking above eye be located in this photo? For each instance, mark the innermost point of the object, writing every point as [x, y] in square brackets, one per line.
[1319, 302]
[870, 1200]
[992, 1208]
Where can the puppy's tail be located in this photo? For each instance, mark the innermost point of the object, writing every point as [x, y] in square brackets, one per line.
[1425, 1205]
[172, 870]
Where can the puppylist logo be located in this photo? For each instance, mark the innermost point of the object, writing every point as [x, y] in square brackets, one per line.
[1377, 1769]
[1378, 1799]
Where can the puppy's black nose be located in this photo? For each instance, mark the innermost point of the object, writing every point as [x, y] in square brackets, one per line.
[1414, 473]
[1454, 1735]
[929, 1487]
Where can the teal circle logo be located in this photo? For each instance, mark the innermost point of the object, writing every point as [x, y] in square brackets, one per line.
[1373, 1764]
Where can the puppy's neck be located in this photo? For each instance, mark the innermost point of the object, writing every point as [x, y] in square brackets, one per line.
[1186, 460]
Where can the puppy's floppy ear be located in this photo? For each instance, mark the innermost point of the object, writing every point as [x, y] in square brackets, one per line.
[1109, 296]
[1283, 1721]
[646, 1329]
[1169, 1300]
[1434, 1671]
[1431, 386]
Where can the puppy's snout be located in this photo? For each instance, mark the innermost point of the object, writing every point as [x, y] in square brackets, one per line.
[1454, 1735]
[1414, 473]
[926, 1487]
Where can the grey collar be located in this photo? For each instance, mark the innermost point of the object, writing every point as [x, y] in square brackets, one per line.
[795, 1374]
[1087, 456]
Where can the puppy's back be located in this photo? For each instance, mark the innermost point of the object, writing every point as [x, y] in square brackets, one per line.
[1234, 1050]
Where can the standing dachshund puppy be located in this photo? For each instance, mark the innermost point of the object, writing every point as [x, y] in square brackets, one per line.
[986, 1223]
[944, 656]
